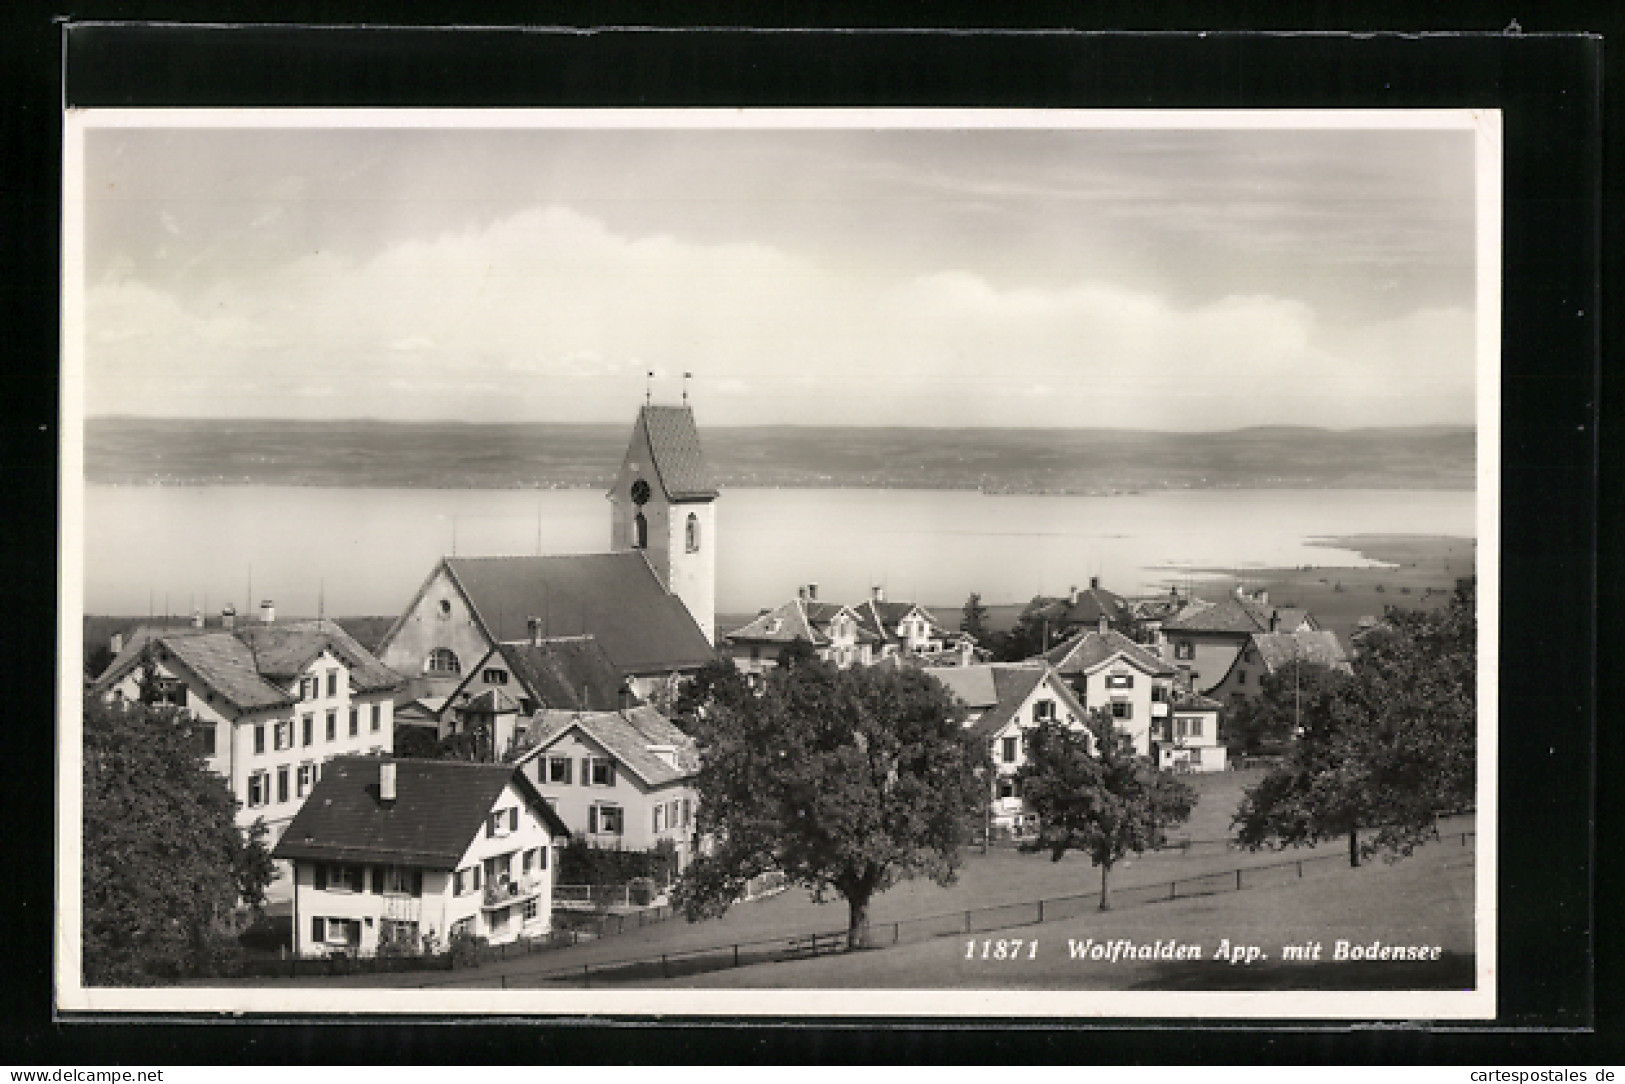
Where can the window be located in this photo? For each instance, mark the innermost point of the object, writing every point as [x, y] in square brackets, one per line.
[282, 734]
[1008, 752]
[640, 532]
[442, 660]
[1241, 677]
[1184, 649]
[399, 881]
[1044, 709]
[306, 778]
[205, 736]
[348, 878]
[377, 717]
[282, 783]
[692, 534]
[355, 721]
[1119, 681]
[1159, 694]
[659, 818]
[445, 607]
[332, 725]
[259, 786]
[259, 738]
[496, 824]
[309, 724]
[605, 820]
[530, 909]
[332, 683]
[1122, 709]
[318, 929]
[1196, 726]
[318, 877]
[686, 812]
[1007, 786]
[527, 860]
[495, 676]
[457, 883]
[603, 771]
[558, 769]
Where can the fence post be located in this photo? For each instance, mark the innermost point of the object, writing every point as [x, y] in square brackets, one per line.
[1171, 892]
[586, 976]
[736, 955]
[1040, 910]
[663, 972]
[1238, 879]
[896, 931]
[1300, 867]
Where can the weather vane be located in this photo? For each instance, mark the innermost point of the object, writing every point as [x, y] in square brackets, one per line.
[648, 387]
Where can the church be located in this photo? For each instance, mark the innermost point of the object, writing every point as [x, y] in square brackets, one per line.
[649, 602]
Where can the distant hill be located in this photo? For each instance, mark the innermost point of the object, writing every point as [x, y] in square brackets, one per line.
[452, 455]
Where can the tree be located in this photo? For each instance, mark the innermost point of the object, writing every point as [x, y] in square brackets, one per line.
[1269, 722]
[1027, 638]
[973, 621]
[847, 782]
[1385, 752]
[1103, 801]
[718, 681]
[164, 860]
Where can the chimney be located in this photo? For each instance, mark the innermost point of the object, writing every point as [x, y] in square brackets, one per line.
[268, 612]
[1275, 620]
[878, 593]
[1105, 625]
[1094, 583]
[812, 592]
[1072, 594]
[228, 617]
[197, 619]
[536, 627]
[116, 644]
[386, 782]
[801, 592]
[1263, 598]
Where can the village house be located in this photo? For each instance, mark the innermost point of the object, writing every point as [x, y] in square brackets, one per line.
[1269, 652]
[618, 779]
[389, 851]
[649, 602]
[906, 628]
[273, 701]
[514, 681]
[1110, 671]
[1188, 739]
[1005, 701]
[833, 631]
[1204, 638]
[1081, 608]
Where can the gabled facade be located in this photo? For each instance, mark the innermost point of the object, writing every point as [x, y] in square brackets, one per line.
[514, 681]
[905, 628]
[1005, 701]
[1267, 652]
[1188, 739]
[618, 779]
[833, 631]
[1079, 608]
[1110, 671]
[391, 850]
[273, 702]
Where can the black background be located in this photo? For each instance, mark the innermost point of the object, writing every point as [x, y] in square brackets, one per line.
[1550, 88]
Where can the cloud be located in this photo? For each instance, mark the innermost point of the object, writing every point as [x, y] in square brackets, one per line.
[550, 315]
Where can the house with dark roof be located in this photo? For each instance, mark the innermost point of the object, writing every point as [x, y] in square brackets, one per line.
[1270, 652]
[832, 630]
[906, 628]
[649, 602]
[1110, 671]
[1004, 701]
[271, 701]
[392, 850]
[1204, 638]
[1188, 739]
[1079, 608]
[619, 779]
[514, 681]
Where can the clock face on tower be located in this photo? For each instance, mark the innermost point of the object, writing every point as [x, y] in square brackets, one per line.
[640, 492]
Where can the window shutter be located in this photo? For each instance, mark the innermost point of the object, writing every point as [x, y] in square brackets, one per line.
[612, 773]
[586, 771]
[417, 882]
[318, 929]
[476, 878]
[491, 825]
[513, 819]
[318, 874]
[457, 883]
[592, 818]
[378, 880]
[541, 857]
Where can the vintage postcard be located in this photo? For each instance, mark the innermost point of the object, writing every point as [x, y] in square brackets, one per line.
[780, 563]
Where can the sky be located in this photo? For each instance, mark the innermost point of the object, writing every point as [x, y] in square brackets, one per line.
[1154, 279]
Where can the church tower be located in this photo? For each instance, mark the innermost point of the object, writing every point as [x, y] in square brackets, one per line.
[664, 503]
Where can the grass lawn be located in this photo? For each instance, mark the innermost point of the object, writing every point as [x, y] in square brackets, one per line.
[1423, 900]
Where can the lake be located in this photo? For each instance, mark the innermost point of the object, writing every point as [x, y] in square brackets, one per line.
[359, 551]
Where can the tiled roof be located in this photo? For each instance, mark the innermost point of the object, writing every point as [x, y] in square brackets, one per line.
[1092, 602]
[1196, 702]
[566, 672]
[625, 735]
[613, 597]
[1229, 614]
[1277, 649]
[492, 702]
[440, 806]
[792, 624]
[880, 619]
[998, 690]
[972, 684]
[250, 666]
[675, 443]
[1089, 649]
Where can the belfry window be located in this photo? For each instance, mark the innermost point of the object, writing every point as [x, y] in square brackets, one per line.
[640, 532]
[693, 533]
[444, 661]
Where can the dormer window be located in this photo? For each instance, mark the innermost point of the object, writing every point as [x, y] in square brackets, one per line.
[692, 533]
[332, 683]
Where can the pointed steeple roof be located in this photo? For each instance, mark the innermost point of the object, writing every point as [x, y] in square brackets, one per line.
[674, 441]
